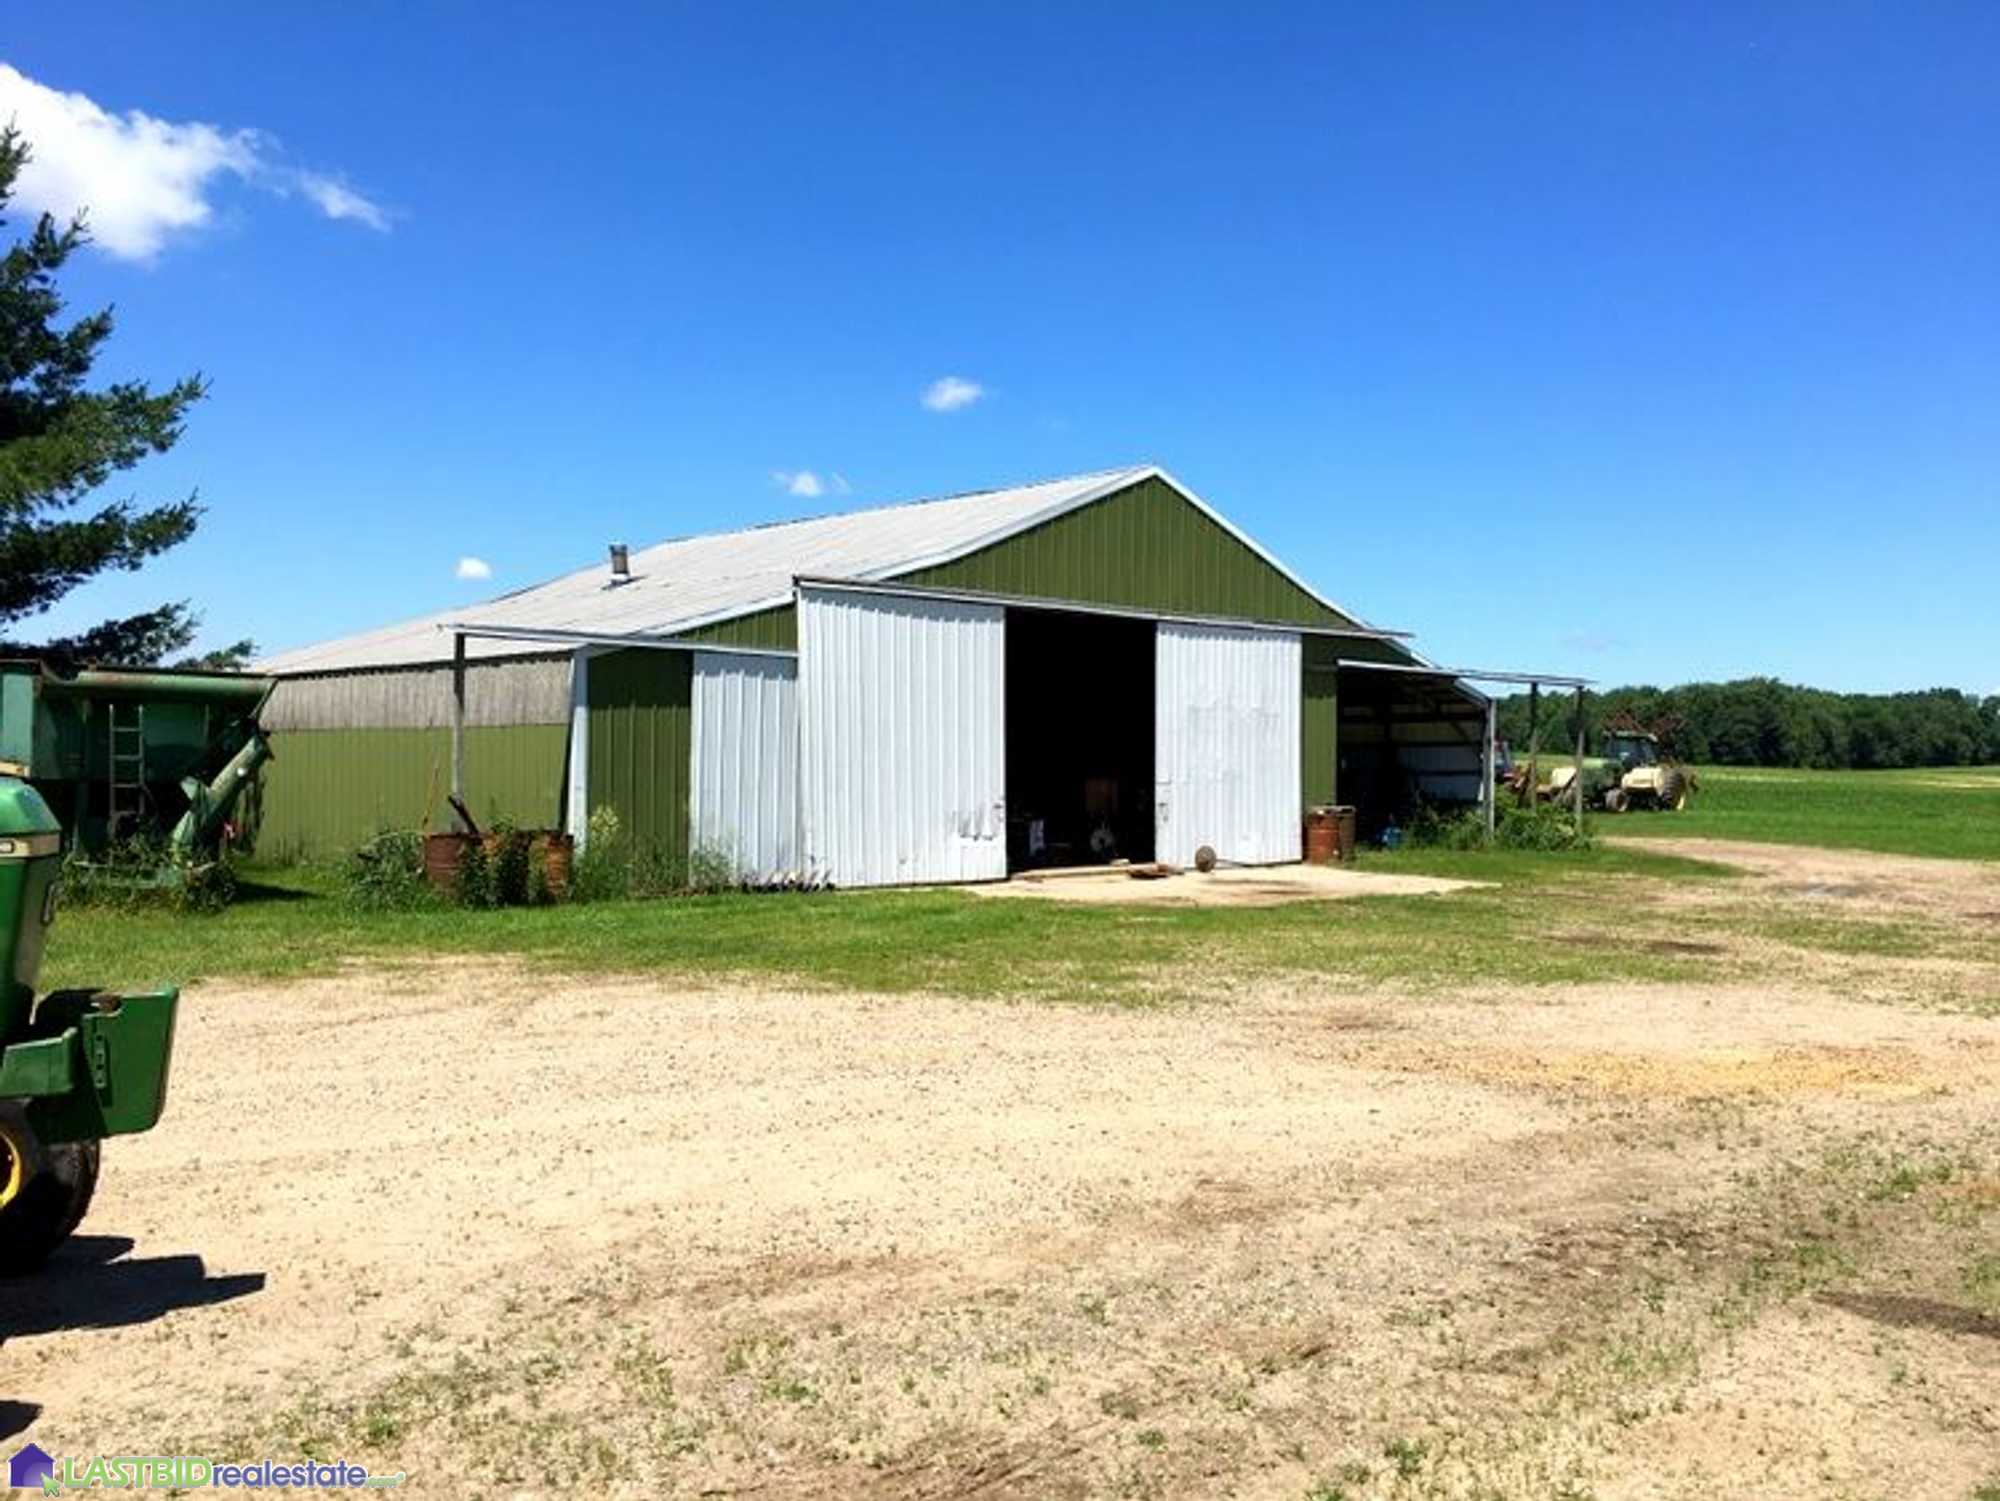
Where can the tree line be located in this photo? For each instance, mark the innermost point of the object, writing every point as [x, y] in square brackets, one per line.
[1763, 722]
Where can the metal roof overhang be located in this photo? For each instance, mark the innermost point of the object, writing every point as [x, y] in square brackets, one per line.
[608, 640]
[1460, 680]
[1470, 674]
[1080, 607]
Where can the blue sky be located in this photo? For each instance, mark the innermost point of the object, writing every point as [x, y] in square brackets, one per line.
[1647, 342]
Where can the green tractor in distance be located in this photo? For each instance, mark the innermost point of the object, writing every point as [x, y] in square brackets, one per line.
[1628, 771]
[75, 1066]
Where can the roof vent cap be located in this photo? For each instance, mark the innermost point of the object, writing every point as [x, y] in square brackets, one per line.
[621, 564]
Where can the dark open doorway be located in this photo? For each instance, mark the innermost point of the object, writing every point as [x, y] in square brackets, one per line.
[1407, 742]
[1079, 739]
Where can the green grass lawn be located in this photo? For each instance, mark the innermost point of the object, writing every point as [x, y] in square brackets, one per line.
[1951, 811]
[290, 923]
[1545, 918]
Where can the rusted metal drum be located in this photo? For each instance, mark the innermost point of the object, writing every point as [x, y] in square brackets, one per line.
[443, 854]
[558, 854]
[1322, 836]
[1343, 817]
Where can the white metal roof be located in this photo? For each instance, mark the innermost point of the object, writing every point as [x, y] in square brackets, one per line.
[694, 581]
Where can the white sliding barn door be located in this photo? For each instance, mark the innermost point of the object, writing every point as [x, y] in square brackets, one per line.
[902, 742]
[744, 802]
[1226, 747]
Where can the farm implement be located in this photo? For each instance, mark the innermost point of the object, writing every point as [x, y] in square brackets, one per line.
[146, 769]
[76, 1066]
[1631, 770]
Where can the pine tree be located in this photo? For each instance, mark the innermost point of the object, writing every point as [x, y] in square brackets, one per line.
[61, 441]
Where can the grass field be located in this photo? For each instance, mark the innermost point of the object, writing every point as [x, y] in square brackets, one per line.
[290, 923]
[1611, 915]
[1947, 811]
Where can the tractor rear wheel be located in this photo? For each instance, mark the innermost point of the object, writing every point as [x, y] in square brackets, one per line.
[48, 1206]
[1674, 789]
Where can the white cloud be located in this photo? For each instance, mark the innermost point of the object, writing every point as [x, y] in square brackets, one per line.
[801, 482]
[473, 568]
[840, 484]
[951, 392]
[338, 201]
[142, 180]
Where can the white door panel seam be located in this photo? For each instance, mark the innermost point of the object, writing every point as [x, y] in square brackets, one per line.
[743, 783]
[901, 739]
[1227, 704]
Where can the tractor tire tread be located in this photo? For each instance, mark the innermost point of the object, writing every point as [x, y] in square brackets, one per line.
[49, 1208]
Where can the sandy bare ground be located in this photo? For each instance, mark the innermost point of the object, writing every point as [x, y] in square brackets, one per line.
[1233, 886]
[1830, 879]
[516, 1235]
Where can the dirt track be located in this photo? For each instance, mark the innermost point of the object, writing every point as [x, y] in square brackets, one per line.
[1852, 878]
[514, 1235]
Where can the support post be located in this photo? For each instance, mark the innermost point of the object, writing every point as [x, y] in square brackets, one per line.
[1576, 782]
[1491, 792]
[1534, 741]
[577, 803]
[458, 715]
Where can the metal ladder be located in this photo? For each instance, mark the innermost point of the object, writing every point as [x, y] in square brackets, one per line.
[125, 779]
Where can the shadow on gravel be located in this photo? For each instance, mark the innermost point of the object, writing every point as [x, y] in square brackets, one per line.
[1901, 1312]
[88, 1285]
[16, 1416]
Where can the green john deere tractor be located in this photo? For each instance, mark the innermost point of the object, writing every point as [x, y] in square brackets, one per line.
[75, 1066]
[1627, 772]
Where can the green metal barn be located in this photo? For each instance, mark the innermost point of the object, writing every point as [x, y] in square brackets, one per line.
[953, 689]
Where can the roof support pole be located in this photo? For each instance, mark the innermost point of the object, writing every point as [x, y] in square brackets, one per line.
[577, 803]
[458, 717]
[1576, 782]
[1534, 740]
[1489, 794]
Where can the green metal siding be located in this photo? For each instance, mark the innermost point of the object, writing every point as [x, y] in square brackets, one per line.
[775, 630]
[18, 719]
[1319, 722]
[1143, 548]
[1370, 651]
[1147, 548]
[326, 791]
[640, 747]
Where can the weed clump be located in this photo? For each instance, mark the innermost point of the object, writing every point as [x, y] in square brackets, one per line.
[1549, 827]
[613, 865]
[141, 873]
[387, 873]
[506, 868]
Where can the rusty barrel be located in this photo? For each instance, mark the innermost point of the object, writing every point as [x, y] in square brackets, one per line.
[443, 854]
[1322, 836]
[558, 855]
